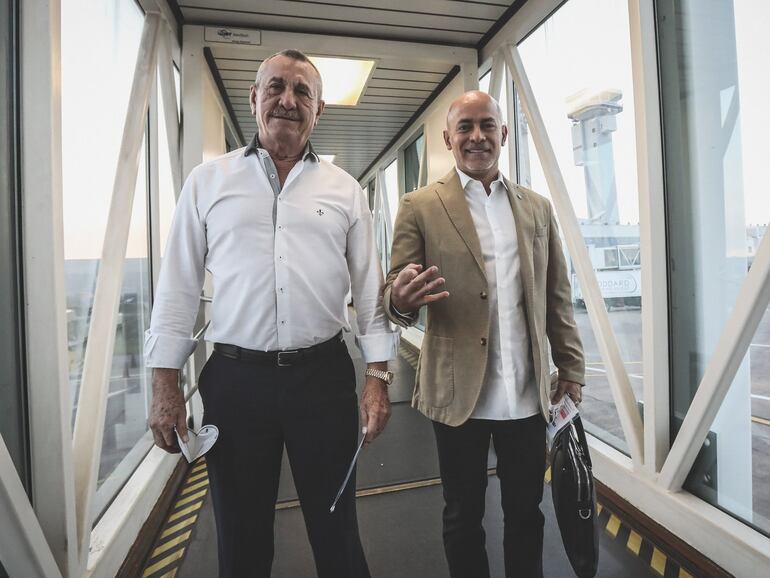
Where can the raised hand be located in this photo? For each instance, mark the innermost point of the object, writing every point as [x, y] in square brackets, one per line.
[414, 288]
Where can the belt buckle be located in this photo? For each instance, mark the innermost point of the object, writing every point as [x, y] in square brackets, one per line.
[283, 354]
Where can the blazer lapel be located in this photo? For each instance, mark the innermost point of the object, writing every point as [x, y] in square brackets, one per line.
[521, 205]
[452, 196]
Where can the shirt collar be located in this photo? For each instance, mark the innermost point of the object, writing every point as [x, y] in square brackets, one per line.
[254, 147]
[465, 179]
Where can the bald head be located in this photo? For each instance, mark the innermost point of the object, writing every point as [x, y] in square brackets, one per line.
[475, 133]
[469, 98]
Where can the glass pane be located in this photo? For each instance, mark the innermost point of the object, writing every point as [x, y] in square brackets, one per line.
[97, 73]
[392, 190]
[13, 417]
[129, 392]
[167, 195]
[370, 193]
[715, 82]
[589, 116]
[412, 160]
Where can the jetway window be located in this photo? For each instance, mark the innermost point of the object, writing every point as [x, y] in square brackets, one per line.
[370, 192]
[579, 64]
[167, 194]
[393, 194]
[715, 82]
[412, 159]
[97, 72]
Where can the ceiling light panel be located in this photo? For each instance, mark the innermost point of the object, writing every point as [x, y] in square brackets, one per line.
[344, 79]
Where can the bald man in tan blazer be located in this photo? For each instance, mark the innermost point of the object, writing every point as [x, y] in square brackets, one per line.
[484, 255]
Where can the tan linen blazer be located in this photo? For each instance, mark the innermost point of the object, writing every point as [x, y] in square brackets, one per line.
[434, 227]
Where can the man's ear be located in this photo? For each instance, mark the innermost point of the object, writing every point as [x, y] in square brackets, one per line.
[253, 99]
[505, 135]
[446, 140]
[321, 105]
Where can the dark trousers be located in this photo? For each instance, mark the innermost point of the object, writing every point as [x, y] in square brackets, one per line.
[312, 409]
[462, 453]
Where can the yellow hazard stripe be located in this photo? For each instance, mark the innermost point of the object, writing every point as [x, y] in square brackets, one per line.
[185, 511]
[194, 487]
[191, 498]
[171, 544]
[163, 563]
[658, 561]
[179, 526]
[613, 525]
[197, 477]
[634, 542]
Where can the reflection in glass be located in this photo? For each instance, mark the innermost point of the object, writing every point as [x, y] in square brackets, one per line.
[589, 116]
[96, 84]
[715, 82]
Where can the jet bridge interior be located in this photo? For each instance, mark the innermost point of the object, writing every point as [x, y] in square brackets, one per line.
[644, 122]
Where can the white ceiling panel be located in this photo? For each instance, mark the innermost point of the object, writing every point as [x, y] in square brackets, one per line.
[399, 84]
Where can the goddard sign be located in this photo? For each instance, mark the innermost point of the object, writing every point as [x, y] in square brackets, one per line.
[614, 284]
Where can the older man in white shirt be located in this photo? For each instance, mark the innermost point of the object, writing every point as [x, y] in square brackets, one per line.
[284, 235]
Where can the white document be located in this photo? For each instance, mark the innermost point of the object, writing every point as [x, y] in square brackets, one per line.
[562, 415]
[198, 443]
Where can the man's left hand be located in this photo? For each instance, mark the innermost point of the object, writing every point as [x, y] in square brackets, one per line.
[569, 387]
[374, 407]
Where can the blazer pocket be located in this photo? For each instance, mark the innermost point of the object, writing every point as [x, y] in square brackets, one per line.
[541, 231]
[437, 377]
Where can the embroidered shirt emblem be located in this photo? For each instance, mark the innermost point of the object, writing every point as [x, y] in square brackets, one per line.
[320, 212]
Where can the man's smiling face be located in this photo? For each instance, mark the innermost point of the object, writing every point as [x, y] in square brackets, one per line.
[475, 133]
[286, 101]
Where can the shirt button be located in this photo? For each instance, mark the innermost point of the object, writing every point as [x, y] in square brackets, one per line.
[483, 294]
[483, 341]
[272, 176]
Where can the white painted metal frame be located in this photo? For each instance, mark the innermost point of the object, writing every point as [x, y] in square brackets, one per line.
[652, 225]
[168, 96]
[53, 493]
[24, 550]
[89, 421]
[625, 400]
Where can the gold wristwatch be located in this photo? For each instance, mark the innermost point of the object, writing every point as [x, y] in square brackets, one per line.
[386, 376]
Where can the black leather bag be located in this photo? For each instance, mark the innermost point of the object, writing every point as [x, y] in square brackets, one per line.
[574, 498]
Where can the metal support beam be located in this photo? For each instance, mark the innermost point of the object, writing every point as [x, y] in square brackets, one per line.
[89, 423]
[170, 110]
[24, 550]
[496, 75]
[652, 230]
[53, 493]
[625, 401]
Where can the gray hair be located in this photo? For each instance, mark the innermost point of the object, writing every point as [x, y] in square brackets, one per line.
[294, 55]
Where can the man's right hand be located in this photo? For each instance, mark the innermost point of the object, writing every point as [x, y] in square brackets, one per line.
[413, 288]
[168, 410]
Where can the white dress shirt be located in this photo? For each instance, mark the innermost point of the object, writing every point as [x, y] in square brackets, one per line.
[509, 390]
[282, 260]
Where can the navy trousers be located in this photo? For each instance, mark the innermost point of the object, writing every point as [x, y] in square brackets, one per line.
[310, 408]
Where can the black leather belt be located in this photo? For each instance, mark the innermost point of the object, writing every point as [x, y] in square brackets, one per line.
[279, 358]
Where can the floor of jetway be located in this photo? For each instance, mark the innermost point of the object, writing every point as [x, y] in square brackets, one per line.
[399, 511]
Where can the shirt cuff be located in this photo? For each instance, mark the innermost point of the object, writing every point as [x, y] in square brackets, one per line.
[405, 316]
[379, 347]
[167, 351]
